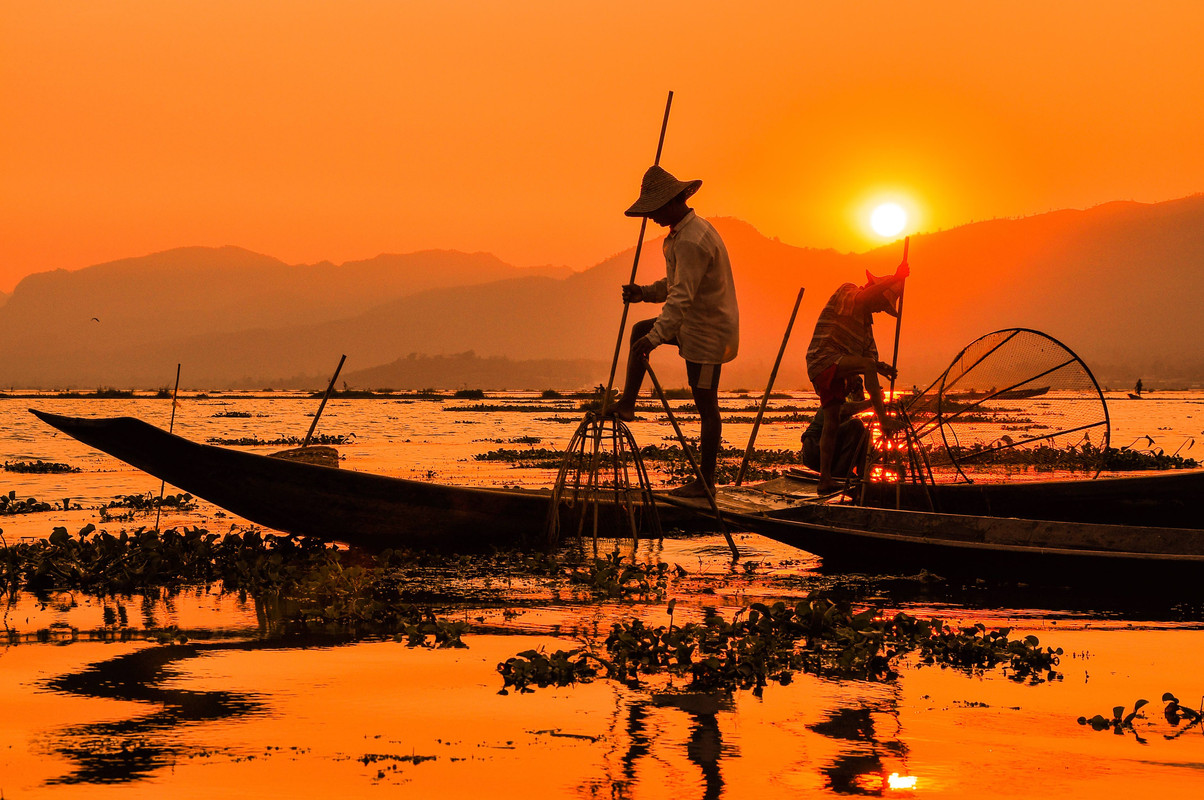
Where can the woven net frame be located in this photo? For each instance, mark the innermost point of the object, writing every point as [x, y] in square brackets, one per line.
[1013, 400]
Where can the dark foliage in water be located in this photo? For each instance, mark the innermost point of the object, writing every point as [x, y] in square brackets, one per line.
[1121, 723]
[668, 459]
[143, 560]
[766, 643]
[132, 505]
[1085, 457]
[284, 441]
[11, 504]
[611, 577]
[103, 393]
[39, 466]
[308, 584]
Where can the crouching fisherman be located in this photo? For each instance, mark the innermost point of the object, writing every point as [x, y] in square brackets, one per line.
[852, 437]
[842, 346]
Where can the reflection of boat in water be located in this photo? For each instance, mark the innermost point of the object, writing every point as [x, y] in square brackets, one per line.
[359, 508]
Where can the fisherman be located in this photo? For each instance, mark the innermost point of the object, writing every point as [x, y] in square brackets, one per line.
[699, 314]
[842, 346]
[851, 436]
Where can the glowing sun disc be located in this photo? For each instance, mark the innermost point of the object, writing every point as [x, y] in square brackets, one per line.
[888, 219]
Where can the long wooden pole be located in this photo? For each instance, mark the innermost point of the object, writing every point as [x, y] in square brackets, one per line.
[894, 361]
[175, 393]
[325, 397]
[752, 438]
[894, 364]
[635, 264]
[685, 448]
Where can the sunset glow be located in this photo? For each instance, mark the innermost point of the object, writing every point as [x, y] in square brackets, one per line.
[888, 219]
[310, 130]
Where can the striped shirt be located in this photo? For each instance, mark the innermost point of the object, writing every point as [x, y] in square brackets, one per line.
[841, 330]
[699, 294]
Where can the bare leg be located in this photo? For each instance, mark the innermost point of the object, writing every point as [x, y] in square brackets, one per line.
[710, 431]
[827, 447]
[624, 407]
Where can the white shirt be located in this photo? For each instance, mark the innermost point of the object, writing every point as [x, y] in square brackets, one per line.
[699, 294]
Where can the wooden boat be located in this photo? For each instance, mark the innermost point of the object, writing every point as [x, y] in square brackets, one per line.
[1022, 394]
[1170, 498]
[357, 508]
[876, 539]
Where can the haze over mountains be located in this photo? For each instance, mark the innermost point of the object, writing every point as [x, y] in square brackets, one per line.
[1119, 284]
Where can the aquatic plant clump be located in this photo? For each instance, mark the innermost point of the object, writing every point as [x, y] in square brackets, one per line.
[145, 560]
[39, 467]
[135, 504]
[284, 441]
[771, 643]
[1120, 723]
[11, 504]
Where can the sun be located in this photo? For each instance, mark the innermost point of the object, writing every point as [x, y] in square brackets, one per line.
[888, 219]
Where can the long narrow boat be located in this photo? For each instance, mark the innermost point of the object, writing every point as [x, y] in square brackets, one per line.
[1170, 498]
[885, 539]
[358, 508]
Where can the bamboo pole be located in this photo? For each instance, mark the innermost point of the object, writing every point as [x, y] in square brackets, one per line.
[894, 363]
[175, 393]
[752, 438]
[313, 425]
[635, 264]
[592, 477]
[693, 464]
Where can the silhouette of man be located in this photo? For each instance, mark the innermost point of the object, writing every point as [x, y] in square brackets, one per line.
[843, 345]
[699, 314]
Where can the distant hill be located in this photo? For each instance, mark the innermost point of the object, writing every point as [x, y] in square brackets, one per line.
[1118, 283]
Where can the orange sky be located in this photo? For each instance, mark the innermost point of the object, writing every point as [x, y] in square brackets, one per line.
[340, 130]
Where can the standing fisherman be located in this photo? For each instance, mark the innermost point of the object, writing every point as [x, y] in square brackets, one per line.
[699, 315]
[842, 346]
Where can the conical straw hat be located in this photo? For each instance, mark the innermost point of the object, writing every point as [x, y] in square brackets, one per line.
[658, 188]
[890, 293]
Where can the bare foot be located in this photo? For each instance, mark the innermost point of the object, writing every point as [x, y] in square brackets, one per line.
[694, 488]
[829, 488]
[621, 410]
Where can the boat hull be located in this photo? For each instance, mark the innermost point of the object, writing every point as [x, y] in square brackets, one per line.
[358, 508]
[878, 540]
[1170, 499]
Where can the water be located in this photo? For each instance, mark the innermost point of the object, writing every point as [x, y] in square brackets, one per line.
[240, 709]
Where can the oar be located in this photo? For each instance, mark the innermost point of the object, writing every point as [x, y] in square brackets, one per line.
[765, 398]
[639, 246]
[693, 464]
[325, 397]
[170, 427]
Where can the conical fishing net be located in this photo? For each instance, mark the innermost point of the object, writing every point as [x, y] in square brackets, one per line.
[1013, 401]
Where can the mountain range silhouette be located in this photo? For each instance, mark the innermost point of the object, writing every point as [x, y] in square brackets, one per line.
[1119, 284]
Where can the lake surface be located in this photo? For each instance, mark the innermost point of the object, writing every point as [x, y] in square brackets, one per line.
[90, 708]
